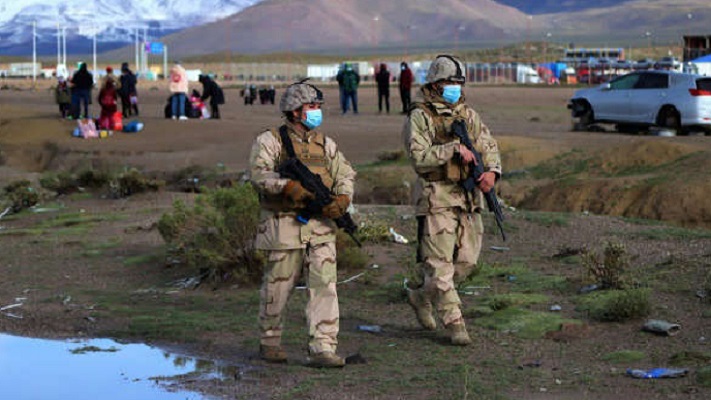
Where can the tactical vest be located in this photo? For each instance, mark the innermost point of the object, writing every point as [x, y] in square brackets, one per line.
[313, 155]
[453, 170]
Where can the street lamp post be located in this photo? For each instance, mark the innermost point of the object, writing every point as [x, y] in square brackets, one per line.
[457, 31]
[545, 46]
[34, 52]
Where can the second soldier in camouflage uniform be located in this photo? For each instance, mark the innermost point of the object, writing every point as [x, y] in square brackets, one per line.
[450, 228]
[293, 247]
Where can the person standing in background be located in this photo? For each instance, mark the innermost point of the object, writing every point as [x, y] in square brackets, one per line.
[128, 92]
[82, 83]
[383, 80]
[63, 97]
[351, 80]
[405, 80]
[179, 90]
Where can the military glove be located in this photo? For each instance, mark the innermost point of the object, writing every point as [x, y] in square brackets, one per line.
[296, 193]
[337, 208]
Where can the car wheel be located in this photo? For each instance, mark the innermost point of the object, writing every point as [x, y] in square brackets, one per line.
[586, 117]
[670, 118]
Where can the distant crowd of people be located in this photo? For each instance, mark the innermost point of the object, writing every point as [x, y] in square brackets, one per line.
[73, 96]
[251, 93]
[348, 81]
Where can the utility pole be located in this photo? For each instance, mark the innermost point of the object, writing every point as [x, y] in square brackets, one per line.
[59, 45]
[34, 52]
[135, 40]
[94, 52]
[143, 48]
[64, 46]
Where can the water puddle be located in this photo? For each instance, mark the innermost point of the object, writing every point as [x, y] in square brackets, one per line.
[96, 369]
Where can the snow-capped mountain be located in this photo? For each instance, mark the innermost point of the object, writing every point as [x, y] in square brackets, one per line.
[113, 20]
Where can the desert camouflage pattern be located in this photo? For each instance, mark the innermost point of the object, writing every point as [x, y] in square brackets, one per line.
[292, 246]
[445, 68]
[283, 270]
[452, 225]
[449, 247]
[297, 95]
[420, 136]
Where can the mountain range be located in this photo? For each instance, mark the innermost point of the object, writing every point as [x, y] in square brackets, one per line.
[195, 27]
[114, 21]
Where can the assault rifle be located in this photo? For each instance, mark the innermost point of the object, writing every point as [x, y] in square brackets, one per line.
[293, 168]
[476, 170]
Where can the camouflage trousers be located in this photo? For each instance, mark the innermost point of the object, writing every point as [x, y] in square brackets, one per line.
[283, 270]
[449, 247]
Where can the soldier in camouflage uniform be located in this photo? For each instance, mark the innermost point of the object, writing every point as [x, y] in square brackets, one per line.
[293, 247]
[449, 219]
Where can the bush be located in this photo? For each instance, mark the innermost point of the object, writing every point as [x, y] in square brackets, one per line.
[216, 236]
[617, 305]
[349, 256]
[94, 178]
[130, 182]
[61, 183]
[610, 273]
[20, 195]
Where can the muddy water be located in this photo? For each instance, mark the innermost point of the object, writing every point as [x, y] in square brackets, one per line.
[32, 369]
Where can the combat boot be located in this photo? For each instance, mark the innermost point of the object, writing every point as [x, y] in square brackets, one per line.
[423, 309]
[272, 354]
[326, 359]
[459, 335]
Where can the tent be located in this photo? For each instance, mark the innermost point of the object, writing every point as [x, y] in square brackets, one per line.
[703, 65]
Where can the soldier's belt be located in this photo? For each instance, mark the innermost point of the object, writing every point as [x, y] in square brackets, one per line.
[434, 176]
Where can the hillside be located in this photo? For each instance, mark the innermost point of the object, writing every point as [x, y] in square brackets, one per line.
[344, 25]
[535, 7]
[626, 24]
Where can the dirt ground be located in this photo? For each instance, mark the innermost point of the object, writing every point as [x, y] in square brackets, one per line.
[94, 266]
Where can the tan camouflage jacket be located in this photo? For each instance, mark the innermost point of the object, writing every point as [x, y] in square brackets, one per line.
[281, 230]
[426, 156]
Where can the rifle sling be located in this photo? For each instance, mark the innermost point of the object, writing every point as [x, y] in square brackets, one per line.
[286, 141]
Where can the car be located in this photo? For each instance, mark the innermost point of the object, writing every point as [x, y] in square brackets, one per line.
[622, 64]
[676, 101]
[645, 63]
[668, 63]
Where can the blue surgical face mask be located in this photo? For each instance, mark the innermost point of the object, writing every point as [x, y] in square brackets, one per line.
[313, 119]
[452, 93]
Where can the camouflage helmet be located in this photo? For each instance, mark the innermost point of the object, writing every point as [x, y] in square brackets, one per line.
[298, 94]
[446, 67]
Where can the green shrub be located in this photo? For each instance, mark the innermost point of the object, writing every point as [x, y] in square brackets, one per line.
[19, 195]
[130, 182]
[94, 178]
[216, 236]
[61, 183]
[350, 257]
[610, 272]
[703, 377]
[617, 305]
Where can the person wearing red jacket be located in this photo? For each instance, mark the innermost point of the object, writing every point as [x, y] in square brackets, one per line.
[406, 79]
